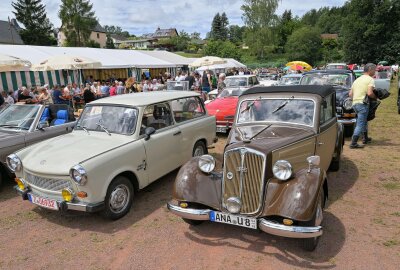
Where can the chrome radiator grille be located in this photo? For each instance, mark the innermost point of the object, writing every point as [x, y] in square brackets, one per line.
[48, 184]
[244, 178]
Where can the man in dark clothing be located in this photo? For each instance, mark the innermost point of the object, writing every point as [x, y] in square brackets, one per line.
[58, 97]
[190, 79]
[1, 99]
[88, 95]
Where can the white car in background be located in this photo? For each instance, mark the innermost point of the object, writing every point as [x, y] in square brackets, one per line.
[120, 145]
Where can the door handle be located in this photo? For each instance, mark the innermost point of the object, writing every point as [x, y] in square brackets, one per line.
[177, 133]
[321, 143]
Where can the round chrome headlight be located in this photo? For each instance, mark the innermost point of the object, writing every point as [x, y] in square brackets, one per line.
[282, 170]
[14, 163]
[206, 163]
[78, 174]
[233, 205]
[348, 104]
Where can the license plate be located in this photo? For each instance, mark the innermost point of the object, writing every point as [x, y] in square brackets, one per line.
[233, 220]
[222, 129]
[43, 202]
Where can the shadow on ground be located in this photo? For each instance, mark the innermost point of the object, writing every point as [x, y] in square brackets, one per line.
[145, 202]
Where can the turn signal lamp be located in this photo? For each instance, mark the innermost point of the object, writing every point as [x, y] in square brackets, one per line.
[67, 195]
[81, 194]
[20, 183]
[287, 222]
[183, 204]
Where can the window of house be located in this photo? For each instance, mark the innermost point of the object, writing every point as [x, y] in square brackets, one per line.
[98, 35]
[185, 109]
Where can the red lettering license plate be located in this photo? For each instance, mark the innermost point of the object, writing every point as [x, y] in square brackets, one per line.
[43, 202]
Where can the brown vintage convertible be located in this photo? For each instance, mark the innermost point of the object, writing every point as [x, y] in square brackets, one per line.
[273, 177]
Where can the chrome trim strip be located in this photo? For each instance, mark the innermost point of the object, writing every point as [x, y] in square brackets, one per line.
[262, 191]
[189, 213]
[289, 231]
[347, 121]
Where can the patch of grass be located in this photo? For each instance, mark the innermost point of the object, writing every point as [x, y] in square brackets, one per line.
[378, 221]
[391, 186]
[391, 243]
[396, 214]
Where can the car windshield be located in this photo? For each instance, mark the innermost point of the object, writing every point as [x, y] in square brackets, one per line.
[230, 93]
[236, 82]
[18, 116]
[290, 110]
[109, 119]
[290, 80]
[326, 79]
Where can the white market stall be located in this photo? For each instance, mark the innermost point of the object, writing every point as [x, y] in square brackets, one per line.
[218, 68]
[130, 61]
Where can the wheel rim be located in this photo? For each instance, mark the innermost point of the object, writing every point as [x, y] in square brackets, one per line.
[119, 198]
[199, 151]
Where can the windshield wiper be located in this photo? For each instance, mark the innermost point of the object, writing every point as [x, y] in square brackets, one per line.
[13, 126]
[283, 104]
[250, 105]
[84, 128]
[103, 128]
[258, 133]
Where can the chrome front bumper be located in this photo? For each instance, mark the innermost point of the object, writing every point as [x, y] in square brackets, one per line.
[263, 224]
[63, 205]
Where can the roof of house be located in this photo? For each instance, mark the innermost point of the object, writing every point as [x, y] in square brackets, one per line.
[162, 33]
[321, 90]
[9, 34]
[118, 37]
[99, 28]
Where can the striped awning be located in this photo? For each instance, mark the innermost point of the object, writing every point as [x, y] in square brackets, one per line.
[13, 80]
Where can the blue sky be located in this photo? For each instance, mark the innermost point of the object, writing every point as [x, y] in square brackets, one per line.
[144, 16]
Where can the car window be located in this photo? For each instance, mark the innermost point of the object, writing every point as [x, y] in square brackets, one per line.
[157, 116]
[327, 109]
[18, 116]
[296, 111]
[255, 80]
[185, 109]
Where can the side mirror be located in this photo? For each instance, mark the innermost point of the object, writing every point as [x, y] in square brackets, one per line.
[148, 132]
[313, 161]
[43, 125]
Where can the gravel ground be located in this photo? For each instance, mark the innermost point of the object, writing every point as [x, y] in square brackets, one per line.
[361, 225]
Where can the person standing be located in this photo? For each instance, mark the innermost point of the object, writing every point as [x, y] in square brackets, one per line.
[206, 83]
[361, 90]
[221, 82]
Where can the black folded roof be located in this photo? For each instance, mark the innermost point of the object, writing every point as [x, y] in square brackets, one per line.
[322, 90]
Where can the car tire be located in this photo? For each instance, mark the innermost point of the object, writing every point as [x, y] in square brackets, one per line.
[192, 222]
[309, 244]
[119, 189]
[199, 149]
[190, 106]
[348, 131]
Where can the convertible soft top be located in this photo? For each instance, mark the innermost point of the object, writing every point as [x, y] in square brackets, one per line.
[322, 90]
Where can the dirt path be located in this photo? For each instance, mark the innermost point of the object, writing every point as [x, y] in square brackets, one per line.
[361, 222]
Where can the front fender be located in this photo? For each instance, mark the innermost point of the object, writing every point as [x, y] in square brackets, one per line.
[192, 185]
[296, 198]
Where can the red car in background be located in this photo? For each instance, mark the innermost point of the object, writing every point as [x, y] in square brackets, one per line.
[224, 106]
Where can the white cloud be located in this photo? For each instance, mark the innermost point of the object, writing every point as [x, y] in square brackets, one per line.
[138, 16]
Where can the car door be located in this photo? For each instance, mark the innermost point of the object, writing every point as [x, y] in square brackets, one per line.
[163, 153]
[190, 116]
[326, 139]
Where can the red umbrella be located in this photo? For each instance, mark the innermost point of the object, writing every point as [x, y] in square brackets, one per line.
[297, 67]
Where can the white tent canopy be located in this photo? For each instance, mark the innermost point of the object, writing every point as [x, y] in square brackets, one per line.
[230, 63]
[170, 57]
[109, 58]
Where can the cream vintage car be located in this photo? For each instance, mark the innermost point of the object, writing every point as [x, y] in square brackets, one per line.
[119, 145]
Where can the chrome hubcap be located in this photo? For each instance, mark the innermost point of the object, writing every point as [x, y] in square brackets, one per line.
[199, 151]
[119, 198]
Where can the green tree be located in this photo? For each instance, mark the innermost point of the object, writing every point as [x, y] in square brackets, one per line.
[236, 33]
[304, 45]
[38, 29]
[78, 20]
[331, 51]
[216, 27]
[284, 29]
[260, 19]
[92, 44]
[112, 29]
[109, 42]
[225, 49]
[224, 26]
